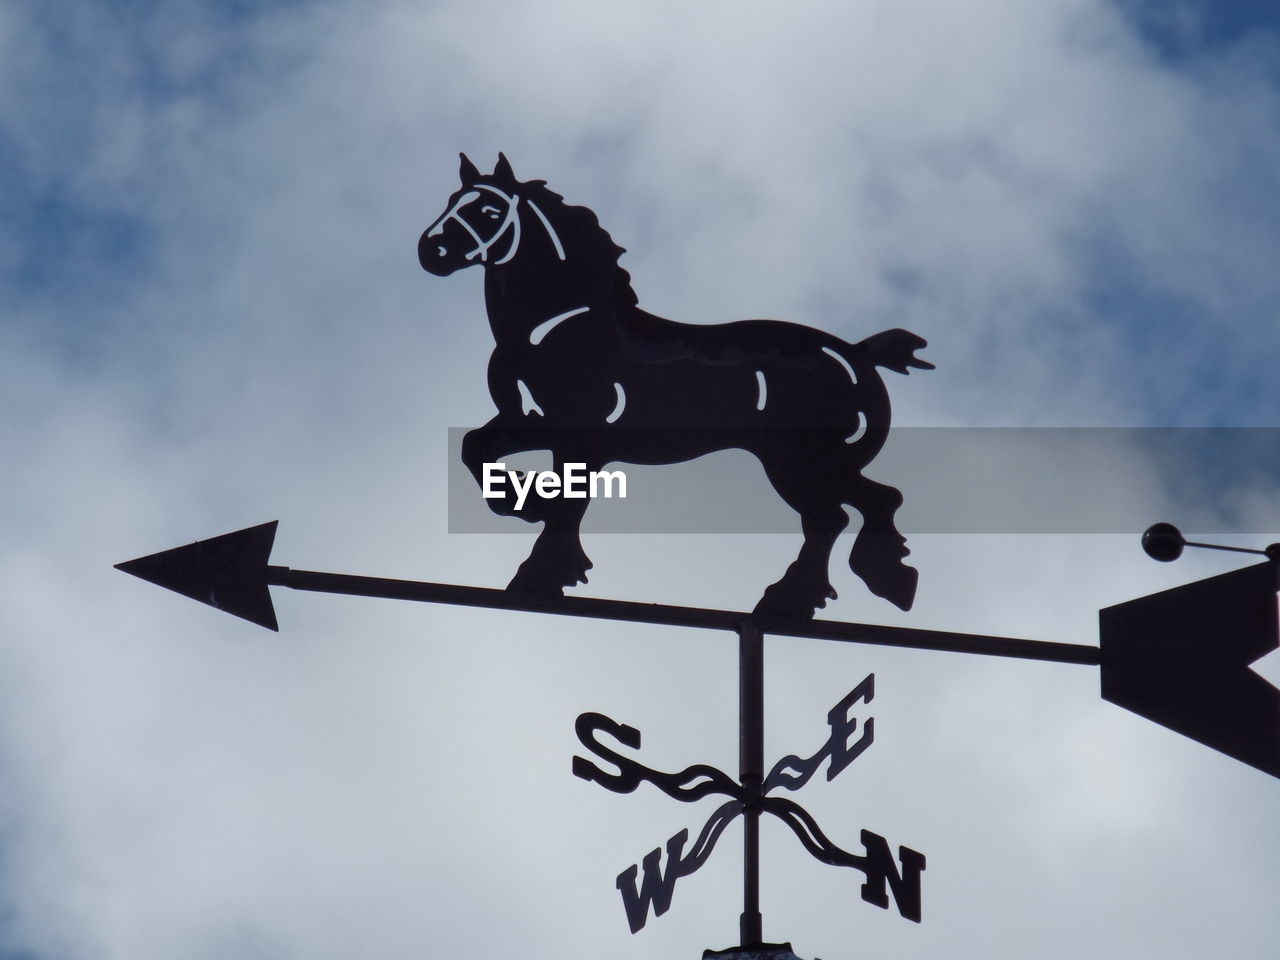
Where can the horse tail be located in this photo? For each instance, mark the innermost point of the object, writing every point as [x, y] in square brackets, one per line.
[892, 349]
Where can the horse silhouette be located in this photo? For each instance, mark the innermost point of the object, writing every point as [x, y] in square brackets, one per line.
[579, 370]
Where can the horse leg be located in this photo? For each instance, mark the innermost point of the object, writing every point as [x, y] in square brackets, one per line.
[806, 485]
[557, 559]
[489, 444]
[805, 587]
[879, 548]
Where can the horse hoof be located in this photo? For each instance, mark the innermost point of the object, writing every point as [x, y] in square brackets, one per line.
[791, 603]
[877, 561]
[548, 580]
[894, 582]
[538, 586]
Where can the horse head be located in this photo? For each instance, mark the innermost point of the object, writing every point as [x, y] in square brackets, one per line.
[481, 223]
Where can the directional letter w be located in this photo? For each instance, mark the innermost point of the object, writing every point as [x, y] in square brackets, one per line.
[656, 887]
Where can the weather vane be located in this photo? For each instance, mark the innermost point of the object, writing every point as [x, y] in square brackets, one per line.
[581, 371]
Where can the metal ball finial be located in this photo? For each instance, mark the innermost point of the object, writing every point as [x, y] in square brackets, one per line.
[1163, 542]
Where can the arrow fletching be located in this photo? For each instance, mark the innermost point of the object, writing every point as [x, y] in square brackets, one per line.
[1182, 658]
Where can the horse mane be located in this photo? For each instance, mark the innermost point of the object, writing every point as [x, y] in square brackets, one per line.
[594, 252]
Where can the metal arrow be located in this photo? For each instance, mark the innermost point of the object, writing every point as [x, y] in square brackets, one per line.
[1180, 657]
[232, 573]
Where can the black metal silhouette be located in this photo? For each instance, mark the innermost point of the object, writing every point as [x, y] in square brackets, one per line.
[580, 370]
[231, 573]
[1165, 542]
[1181, 657]
[748, 798]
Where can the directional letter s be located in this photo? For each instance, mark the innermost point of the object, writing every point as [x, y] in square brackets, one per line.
[626, 779]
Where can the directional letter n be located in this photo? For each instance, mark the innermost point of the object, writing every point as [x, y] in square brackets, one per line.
[883, 873]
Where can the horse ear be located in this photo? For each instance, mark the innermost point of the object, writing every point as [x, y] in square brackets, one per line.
[502, 171]
[467, 172]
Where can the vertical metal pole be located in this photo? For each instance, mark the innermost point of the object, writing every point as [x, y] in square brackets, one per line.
[751, 772]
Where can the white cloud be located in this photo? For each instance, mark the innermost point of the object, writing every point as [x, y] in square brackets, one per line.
[379, 779]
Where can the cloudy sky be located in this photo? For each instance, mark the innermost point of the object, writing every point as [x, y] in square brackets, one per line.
[211, 315]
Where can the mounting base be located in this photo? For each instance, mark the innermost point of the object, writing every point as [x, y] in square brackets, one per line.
[759, 951]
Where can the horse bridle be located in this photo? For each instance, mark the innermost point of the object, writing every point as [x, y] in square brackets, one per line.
[510, 223]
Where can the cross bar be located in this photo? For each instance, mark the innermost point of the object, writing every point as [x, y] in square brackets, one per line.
[679, 616]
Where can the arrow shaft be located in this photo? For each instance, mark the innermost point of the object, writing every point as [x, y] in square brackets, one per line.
[678, 616]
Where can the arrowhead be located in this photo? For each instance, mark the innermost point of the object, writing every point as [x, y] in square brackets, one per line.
[1181, 658]
[228, 572]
